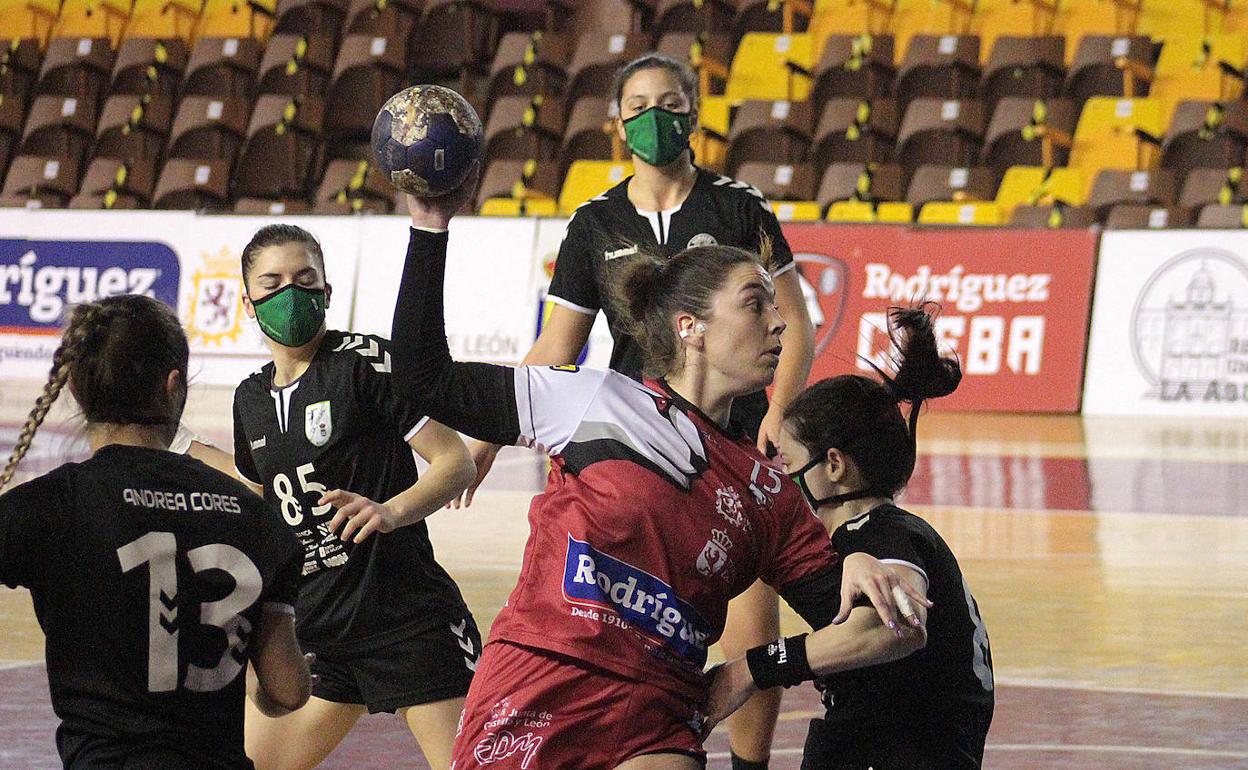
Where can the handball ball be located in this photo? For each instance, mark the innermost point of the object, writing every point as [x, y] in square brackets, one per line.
[426, 139]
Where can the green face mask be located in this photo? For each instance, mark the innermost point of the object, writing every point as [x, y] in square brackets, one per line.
[292, 315]
[658, 136]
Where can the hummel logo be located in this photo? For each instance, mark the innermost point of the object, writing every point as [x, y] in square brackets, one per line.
[259, 443]
[858, 524]
[630, 251]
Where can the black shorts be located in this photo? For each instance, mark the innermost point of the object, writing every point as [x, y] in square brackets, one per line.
[914, 746]
[433, 664]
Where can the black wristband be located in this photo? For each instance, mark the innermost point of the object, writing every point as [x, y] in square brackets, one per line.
[781, 663]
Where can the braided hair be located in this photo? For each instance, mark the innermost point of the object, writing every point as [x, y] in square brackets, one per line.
[115, 356]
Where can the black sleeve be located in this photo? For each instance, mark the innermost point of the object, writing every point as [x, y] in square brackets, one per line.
[574, 281]
[761, 222]
[816, 597]
[29, 525]
[473, 398]
[374, 385]
[884, 538]
[243, 460]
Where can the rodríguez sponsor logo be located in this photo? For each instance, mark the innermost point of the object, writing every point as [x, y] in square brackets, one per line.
[39, 279]
[640, 599]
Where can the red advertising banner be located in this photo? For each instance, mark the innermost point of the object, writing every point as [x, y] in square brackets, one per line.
[1015, 305]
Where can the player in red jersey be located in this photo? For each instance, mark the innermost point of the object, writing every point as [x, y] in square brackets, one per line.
[655, 514]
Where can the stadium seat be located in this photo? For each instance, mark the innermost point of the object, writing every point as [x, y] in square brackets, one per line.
[938, 66]
[760, 69]
[369, 70]
[590, 133]
[1024, 66]
[1036, 186]
[1206, 135]
[101, 19]
[1109, 65]
[780, 181]
[130, 178]
[209, 128]
[1223, 217]
[708, 53]
[76, 67]
[951, 213]
[237, 19]
[185, 183]
[862, 211]
[855, 130]
[385, 18]
[945, 183]
[995, 19]
[1205, 67]
[1182, 17]
[797, 211]
[1109, 17]
[41, 182]
[529, 63]
[518, 180]
[1139, 217]
[854, 65]
[106, 201]
[271, 208]
[310, 17]
[587, 178]
[133, 126]
[783, 16]
[12, 115]
[578, 18]
[296, 65]
[1106, 137]
[61, 126]
[1204, 186]
[597, 57]
[870, 182]
[1029, 132]
[696, 16]
[527, 126]
[517, 207]
[223, 66]
[350, 186]
[453, 37]
[149, 65]
[1112, 187]
[282, 147]
[164, 20]
[940, 131]
[1053, 217]
[776, 132]
[20, 58]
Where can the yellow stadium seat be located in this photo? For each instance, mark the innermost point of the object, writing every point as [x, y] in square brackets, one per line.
[93, 18]
[759, 69]
[848, 17]
[796, 211]
[1037, 186]
[1094, 17]
[1189, 69]
[165, 19]
[861, 211]
[236, 18]
[1105, 136]
[951, 213]
[1006, 18]
[710, 146]
[28, 18]
[515, 207]
[587, 178]
[1178, 17]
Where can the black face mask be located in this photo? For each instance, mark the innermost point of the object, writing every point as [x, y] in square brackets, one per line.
[799, 478]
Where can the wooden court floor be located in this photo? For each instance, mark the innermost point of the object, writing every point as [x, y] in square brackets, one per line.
[1109, 558]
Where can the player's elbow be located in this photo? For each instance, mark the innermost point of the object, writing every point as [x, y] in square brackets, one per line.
[910, 641]
[290, 690]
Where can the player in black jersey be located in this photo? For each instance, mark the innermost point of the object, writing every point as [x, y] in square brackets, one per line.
[321, 431]
[846, 444]
[155, 578]
[670, 204]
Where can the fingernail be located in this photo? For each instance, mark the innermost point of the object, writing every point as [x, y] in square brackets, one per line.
[892, 624]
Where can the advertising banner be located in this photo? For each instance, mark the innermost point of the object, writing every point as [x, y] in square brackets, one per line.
[1014, 303]
[1170, 325]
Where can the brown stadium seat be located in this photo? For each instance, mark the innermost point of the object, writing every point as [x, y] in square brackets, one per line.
[509, 178]
[694, 16]
[774, 132]
[59, 126]
[19, 65]
[947, 183]
[1053, 217]
[1204, 186]
[859, 181]
[590, 133]
[1223, 217]
[369, 70]
[529, 63]
[453, 38]
[105, 201]
[192, 184]
[148, 65]
[47, 182]
[271, 208]
[710, 55]
[297, 65]
[310, 17]
[780, 181]
[597, 57]
[134, 126]
[1206, 135]
[948, 131]
[209, 128]
[1110, 65]
[353, 185]
[1024, 66]
[940, 66]
[852, 129]
[223, 66]
[1148, 188]
[524, 127]
[76, 67]
[395, 20]
[282, 148]
[854, 65]
[12, 116]
[771, 16]
[1129, 216]
[578, 17]
[1025, 131]
[130, 178]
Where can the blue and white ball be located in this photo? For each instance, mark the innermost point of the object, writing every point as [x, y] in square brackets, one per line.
[426, 138]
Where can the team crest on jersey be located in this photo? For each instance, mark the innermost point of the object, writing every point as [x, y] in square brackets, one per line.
[714, 556]
[318, 423]
[729, 505]
[702, 239]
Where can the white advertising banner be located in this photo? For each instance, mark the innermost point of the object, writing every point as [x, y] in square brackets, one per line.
[1170, 325]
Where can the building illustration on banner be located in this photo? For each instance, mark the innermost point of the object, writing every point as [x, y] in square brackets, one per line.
[1189, 328]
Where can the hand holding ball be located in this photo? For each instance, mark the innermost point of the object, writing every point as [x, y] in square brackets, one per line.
[427, 140]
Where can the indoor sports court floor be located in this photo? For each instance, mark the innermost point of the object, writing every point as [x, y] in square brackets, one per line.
[1109, 557]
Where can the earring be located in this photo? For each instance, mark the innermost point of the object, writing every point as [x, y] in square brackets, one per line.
[684, 334]
[700, 328]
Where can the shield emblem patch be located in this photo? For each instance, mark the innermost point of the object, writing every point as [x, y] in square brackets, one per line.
[318, 423]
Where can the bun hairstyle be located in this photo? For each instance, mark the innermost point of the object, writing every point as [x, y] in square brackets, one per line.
[861, 416]
[649, 290]
[115, 355]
